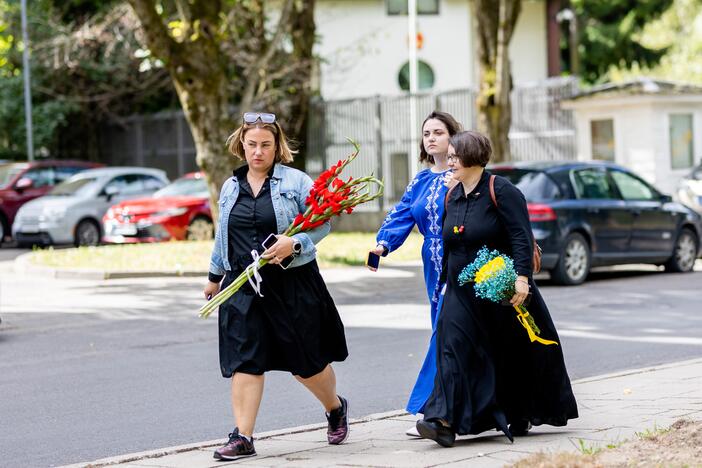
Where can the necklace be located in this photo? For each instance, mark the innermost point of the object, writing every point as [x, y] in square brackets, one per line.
[458, 230]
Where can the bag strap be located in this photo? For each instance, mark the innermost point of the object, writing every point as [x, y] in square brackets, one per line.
[492, 190]
[446, 199]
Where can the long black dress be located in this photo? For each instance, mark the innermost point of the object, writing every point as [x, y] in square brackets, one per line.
[488, 372]
[295, 326]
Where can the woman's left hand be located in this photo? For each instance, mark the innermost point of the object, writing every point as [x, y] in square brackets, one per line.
[521, 291]
[282, 249]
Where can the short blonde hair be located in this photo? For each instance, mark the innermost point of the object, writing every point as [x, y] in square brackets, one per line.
[283, 152]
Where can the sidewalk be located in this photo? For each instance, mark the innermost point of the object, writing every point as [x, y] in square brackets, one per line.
[612, 409]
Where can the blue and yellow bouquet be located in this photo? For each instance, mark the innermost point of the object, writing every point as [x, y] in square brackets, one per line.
[494, 275]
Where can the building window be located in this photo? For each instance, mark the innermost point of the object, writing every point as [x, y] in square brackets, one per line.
[425, 76]
[424, 7]
[681, 141]
[602, 138]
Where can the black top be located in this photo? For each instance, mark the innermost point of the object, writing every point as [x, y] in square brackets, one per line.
[504, 227]
[251, 221]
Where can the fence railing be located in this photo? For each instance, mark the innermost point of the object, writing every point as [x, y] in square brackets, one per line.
[541, 130]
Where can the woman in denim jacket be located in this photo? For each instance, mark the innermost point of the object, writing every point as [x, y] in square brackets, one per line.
[291, 324]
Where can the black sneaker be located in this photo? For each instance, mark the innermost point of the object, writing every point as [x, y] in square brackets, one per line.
[237, 447]
[338, 423]
[434, 430]
[520, 428]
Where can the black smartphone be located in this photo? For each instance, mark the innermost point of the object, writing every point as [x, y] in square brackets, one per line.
[373, 260]
[268, 243]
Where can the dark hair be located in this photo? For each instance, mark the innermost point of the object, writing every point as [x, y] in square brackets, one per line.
[452, 126]
[471, 148]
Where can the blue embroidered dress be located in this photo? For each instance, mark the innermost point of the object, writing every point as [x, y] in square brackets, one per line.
[422, 205]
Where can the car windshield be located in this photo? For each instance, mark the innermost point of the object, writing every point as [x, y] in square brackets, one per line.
[190, 187]
[535, 185]
[8, 172]
[74, 187]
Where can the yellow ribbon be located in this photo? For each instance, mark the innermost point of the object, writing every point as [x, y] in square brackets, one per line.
[522, 318]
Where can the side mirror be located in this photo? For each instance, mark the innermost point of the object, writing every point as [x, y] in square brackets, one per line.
[666, 199]
[110, 192]
[23, 184]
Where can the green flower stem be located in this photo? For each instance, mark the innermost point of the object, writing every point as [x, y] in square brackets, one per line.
[229, 291]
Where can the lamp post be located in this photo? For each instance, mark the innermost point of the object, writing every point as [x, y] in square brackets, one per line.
[27, 80]
[568, 15]
[412, 31]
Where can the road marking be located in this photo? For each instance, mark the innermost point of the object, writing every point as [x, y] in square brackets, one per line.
[677, 340]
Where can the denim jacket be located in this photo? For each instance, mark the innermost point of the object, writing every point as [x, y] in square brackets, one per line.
[289, 189]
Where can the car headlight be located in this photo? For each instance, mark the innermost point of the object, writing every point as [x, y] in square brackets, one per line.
[170, 212]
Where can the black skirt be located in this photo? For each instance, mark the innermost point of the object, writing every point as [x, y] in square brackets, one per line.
[294, 327]
[489, 373]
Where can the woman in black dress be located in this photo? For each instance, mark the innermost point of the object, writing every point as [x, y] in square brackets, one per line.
[489, 374]
[291, 324]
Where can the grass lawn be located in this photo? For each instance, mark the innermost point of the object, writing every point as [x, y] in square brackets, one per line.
[336, 250]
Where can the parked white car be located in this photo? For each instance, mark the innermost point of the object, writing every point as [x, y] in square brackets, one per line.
[690, 189]
[71, 213]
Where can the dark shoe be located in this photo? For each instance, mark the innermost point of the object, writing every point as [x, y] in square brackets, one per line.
[338, 423]
[436, 431]
[520, 428]
[237, 447]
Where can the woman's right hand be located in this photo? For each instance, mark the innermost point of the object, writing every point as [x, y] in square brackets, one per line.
[379, 250]
[211, 290]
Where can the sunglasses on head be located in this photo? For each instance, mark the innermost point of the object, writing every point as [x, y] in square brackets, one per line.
[253, 117]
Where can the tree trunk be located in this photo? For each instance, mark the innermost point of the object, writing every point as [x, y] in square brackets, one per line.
[496, 22]
[200, 80]
[207, 113]
[303, 37]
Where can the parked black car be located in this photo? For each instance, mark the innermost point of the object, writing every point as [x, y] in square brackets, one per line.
[587, 214]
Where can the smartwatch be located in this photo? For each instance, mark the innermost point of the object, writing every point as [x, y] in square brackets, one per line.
[297, 247]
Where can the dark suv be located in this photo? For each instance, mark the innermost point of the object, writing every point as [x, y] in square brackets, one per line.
[24, 181]
[586, 214]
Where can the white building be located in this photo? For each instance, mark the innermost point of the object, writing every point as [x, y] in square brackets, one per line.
[652, 127]
[364, 45]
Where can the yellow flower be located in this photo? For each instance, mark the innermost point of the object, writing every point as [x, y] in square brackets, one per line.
[489, 269]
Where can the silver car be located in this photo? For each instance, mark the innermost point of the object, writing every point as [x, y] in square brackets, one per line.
[73, 210]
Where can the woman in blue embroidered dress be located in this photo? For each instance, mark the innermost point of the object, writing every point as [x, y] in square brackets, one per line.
[423, 205]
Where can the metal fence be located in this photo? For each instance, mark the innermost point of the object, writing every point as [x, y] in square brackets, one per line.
[541, 130]
[160, 140]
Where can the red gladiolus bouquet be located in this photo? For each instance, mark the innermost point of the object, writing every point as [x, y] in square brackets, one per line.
[330, 196]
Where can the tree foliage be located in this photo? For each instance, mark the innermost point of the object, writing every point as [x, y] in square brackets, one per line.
[224, 52]
[87, 66]
[678, 31]
[608, 35]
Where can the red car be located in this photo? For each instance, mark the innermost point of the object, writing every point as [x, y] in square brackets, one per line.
[179, 211]
[21, 182]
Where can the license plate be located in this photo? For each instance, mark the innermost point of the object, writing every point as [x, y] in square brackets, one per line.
[29, 229]
[125, 230]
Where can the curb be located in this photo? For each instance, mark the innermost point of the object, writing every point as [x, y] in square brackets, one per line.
[213, 443]
[313, 427]
[22, 264]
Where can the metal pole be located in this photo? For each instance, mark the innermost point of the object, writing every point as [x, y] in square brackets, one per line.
[412, 31]
[27, 80]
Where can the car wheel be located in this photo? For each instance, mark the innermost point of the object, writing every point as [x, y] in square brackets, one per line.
[2, 230]
[573, 262]
[87, 233]
[200, 229]
[684, 252]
